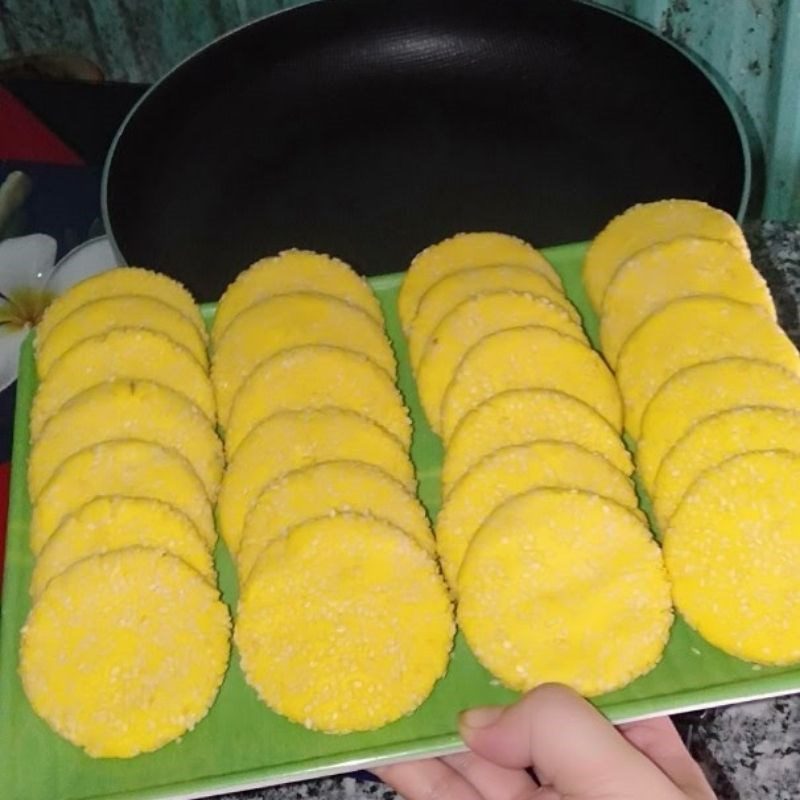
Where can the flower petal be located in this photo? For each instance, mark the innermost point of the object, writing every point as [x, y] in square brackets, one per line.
[11, 339]
[86, 260]
[26, 262]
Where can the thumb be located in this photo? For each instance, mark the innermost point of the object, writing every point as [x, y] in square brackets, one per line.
[568, 743]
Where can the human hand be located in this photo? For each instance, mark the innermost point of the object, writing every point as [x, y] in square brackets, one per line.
[575, 753]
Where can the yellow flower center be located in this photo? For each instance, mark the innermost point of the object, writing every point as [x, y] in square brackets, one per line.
[24, 307]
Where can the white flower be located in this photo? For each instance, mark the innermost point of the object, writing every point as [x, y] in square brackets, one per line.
[30, 279]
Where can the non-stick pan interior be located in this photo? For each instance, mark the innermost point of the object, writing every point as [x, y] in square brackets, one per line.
[372, 128]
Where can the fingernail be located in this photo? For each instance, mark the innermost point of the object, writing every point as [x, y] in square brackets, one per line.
[481, 717]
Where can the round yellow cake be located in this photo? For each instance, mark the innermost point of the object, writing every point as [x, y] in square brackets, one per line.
[514, 470]
[532, 357]
[704, 389]
[314, 376]
[290, 440]
[321, 489]
[100, 316]
[565, 586]
[646, 224]
[732, 550]
[460, 252]
[293, 271]
[668, 271]
[132, 353]
[116, 282]
[690, 331]
[528, 415]
[715, 439]
[127, 409]
[125, 651]
[470, 321]
[121, 467]
[290, 320]
[114, 523]
[344, 625]
[448, 293]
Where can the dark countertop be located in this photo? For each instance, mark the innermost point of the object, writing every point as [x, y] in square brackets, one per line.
[750, 750]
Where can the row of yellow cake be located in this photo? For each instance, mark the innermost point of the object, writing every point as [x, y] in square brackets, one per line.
[711, 387]
[538, 511]
[343, 620]
[123, 471]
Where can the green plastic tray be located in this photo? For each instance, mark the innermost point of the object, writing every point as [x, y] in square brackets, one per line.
[241, 743]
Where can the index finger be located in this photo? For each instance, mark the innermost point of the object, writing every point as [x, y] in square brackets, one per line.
[569, 745]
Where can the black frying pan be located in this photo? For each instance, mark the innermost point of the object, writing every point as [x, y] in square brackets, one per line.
[372, 128]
